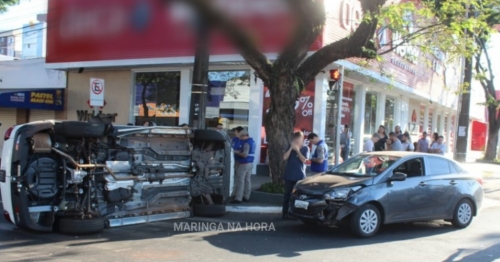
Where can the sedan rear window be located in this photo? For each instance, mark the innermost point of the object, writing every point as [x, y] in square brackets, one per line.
[438, 166]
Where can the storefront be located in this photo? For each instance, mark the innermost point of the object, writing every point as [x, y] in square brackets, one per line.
[29, 92]
[148, 78]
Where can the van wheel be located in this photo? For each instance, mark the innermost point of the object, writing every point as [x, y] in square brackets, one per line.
[75, 226]
[201, 210]
[463, 214]
[366, 221]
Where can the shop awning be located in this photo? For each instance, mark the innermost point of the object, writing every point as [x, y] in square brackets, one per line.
[45, 99]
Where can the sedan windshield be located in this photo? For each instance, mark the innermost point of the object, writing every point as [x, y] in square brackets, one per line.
[364, 165]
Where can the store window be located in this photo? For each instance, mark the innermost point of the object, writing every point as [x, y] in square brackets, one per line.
[389, 114]
[157, 98]
[347, 116]
[370, 114]
[228, 98]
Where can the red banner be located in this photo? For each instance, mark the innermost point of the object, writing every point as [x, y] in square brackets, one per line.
[347, 103]
[304, 115]
[95, 30]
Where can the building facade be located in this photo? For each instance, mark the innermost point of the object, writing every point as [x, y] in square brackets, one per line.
[146, 63]
[30, 92]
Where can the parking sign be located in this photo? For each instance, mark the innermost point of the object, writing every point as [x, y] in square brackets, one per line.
[96, 92]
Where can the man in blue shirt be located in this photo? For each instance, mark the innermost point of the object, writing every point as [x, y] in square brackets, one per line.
[243, 175]
[319, 159]
[296, 157]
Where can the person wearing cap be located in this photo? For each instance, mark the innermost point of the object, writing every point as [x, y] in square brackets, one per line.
[423, 144]
[395, 142]
[243, 184]
[406, 143]
[369, 145]
[319, 159]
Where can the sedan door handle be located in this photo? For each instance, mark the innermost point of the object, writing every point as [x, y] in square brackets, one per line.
[453, 182]
[422, 184]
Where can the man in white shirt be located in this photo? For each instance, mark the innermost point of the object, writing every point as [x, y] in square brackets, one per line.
[370, 143]
[405, 142]
[438, 147]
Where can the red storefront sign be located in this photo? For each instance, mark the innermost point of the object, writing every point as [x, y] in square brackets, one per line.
[96, 30]
[304, 114]
[347, 103]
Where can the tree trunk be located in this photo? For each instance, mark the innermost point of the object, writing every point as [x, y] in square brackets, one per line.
[494, 126]
[144, 102]
[279, 123]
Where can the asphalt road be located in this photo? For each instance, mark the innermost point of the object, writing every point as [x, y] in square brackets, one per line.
[290, 240]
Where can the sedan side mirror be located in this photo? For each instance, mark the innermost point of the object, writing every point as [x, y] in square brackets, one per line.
[398, 176]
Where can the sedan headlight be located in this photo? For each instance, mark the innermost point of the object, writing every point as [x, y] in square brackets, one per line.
[342, 193]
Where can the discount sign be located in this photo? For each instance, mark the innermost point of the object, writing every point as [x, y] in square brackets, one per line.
[304, 110]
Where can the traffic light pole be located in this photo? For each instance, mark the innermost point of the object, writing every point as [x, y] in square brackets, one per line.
[340, 90]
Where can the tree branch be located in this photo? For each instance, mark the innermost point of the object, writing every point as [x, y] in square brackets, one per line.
[311, 20]
[240, 39]
[352, 46]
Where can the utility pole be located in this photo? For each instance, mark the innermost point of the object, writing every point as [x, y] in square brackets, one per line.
[200, 77]
[464, 108]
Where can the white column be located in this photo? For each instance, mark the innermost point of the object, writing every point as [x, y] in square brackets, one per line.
[434, 119]
[381, 110]
[441, 124]
[397, 113]
[320, 99]
[426, 119]
[255, 116]
[405, 114]
[359, 119]
[449, 131]
[185, 96]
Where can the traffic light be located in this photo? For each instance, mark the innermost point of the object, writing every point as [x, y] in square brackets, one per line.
[335, 76]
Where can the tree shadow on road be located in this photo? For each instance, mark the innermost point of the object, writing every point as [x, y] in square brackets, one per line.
[489, 254]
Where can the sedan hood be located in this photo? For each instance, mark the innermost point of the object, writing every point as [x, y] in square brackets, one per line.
[323, 183]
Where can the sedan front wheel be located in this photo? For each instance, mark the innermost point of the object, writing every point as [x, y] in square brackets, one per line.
[366, 221]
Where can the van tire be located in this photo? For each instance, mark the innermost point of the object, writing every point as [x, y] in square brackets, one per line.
[201, 210]
[75, 226]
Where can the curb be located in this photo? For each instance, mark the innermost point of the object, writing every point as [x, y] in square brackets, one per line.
[254, 209]
[267, 199]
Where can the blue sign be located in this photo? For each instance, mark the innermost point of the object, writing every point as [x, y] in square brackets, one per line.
[48, 99]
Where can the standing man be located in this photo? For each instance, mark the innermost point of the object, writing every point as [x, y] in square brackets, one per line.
[243, 183]
[345, 143]
[438, 147]
[319, 159]
[296, 157]
[369, 145]
[237, 146]
[395, 142]
[406, 143]
[398, 132]
[220, 126]
[423, 144]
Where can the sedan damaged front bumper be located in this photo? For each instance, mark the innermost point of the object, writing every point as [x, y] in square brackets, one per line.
[320, 210]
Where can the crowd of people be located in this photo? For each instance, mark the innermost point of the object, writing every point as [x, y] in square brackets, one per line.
[398, 141]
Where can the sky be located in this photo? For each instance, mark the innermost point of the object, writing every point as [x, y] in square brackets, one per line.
[18, 15]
